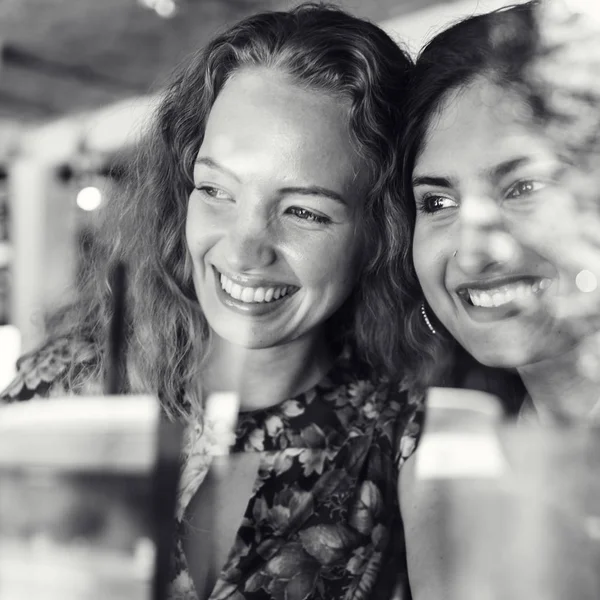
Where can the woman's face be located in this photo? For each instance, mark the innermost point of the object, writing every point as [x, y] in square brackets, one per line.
[486, 177]
[271, 222]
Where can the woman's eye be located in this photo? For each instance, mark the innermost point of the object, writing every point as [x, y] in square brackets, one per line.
[307, 215]
[213, 192]
[432, 203]
[524, 188]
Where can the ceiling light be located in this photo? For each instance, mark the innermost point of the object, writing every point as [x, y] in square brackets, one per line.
[89, 198]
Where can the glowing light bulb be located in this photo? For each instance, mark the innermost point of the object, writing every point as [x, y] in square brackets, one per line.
[89, 198]
[586, 281]
[165, 8]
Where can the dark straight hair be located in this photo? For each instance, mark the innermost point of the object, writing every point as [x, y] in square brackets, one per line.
[498, 45]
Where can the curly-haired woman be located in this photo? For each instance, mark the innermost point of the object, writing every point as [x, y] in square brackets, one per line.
[262, 238]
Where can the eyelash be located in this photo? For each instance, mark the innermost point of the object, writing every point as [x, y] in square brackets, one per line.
[424, 204]
[299, 213]
[307, 215]
[530, 182]
[206, 189]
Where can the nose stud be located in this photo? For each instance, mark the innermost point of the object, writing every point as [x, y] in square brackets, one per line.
[455, 253]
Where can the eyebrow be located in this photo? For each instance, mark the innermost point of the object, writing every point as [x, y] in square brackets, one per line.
[314, 190]
[310, 190]
[434, 181]
[497, 172]
[213, 164]
[506, 167]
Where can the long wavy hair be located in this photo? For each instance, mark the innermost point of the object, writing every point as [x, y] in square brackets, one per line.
[498, 45]
[321, 48]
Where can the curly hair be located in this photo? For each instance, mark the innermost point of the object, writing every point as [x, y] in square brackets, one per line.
[498, 45]
[321, 48]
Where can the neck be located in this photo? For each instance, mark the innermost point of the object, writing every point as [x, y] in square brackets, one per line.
[557, 388]
[265, 377]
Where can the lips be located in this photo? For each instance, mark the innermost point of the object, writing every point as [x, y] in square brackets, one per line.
[254, 294]
[505, 294]
[494, 294]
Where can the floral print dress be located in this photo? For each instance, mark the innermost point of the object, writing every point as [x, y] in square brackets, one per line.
[323, 521]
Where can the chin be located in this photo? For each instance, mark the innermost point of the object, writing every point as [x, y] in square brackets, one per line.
[518, 351]
[244, 341]
[509, 356]
[247, 339]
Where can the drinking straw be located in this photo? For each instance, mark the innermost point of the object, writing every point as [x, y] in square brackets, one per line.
[114, 382]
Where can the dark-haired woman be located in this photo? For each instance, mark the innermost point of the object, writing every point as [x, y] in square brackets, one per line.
[497, 167]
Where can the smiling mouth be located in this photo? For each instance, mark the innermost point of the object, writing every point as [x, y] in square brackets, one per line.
[501, 295]
[255, 295]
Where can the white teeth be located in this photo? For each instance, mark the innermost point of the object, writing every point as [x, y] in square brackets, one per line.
[250, 295]
[507, 293]
[236, 291]
[247, 295]
[523, 291]
[484, 299]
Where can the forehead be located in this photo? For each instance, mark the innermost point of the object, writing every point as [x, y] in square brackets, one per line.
[477, 127]
[261, 118]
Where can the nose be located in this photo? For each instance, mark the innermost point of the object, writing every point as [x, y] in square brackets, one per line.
[484, 242]
[250, 241]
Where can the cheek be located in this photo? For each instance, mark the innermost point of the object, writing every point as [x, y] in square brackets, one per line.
[542, 243]
[200, 227]
[425, 259]
[328, 262]
[189, 228]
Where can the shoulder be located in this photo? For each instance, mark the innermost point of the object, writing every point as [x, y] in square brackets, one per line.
[409, 423]
[402, 412]
[397, 406]
[44, 372]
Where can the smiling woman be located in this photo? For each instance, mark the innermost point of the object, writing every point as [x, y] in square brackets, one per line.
[497, 169]
[261, 233]
[493, 196]
[273, 194]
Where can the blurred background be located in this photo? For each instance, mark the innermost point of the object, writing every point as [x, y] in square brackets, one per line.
[78, 82]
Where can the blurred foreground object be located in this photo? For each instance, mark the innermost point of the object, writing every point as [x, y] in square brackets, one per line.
[221, 416]
[514, 509]
[10, 350]
[87, 498]
[566, 74]
[563, 82]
